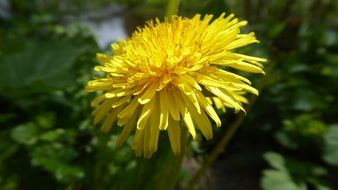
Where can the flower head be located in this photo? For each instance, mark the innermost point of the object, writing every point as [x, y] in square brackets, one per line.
[170, 73]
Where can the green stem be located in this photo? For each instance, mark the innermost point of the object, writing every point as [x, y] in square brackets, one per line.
[170, 175]
[163, 169]
[172, 8]
[228, 134]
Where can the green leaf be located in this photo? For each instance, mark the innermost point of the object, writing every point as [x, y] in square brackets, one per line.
[284, 139]
[52, 135]
[275, 160]
[25, 134]
[45, 120]
[289, 173]
[279, 180]
[7, 147]
[331, 145]
[301, 131]
[55, 158]
[322, 187]
[41, 67]
[276, 29]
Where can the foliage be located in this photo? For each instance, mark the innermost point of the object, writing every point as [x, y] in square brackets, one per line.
[331, 146]
[296, 105]
[47, 139]
[291, 174]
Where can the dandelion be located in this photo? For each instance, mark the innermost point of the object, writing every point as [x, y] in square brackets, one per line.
[169, 75]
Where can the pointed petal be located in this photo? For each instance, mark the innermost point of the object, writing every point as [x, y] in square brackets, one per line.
[174, 133]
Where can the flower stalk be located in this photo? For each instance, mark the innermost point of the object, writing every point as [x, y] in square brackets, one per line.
[172, 8]
[166, 164]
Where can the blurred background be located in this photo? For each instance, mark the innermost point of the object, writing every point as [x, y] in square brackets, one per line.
[287, 141]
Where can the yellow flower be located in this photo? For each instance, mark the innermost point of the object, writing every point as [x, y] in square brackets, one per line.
[173, 71]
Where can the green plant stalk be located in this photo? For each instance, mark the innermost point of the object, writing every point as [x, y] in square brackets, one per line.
[162, 170]
[228, 134]
[170, 175]
[172, 8]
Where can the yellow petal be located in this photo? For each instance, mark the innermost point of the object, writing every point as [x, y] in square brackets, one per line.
[174, 133]
[208, 81]
[149, 93]
[97, 100]
[243, 66]
[145, 114]
[209, 109]
[185, 114]
[127, 112]
[138, 142]
[201, 120]
[173, 107]
[191, 81]
[147, 153]
[244, 40]
[225, 75]
[120, 101]
[154, 131]
[247, 88]
[252, 58]
[126, 130]
[219, 104]
[100, 112]
[164, 109]
[120, 92]
[96, 86]
[111, 118]
[226, 96]
[189, 92]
